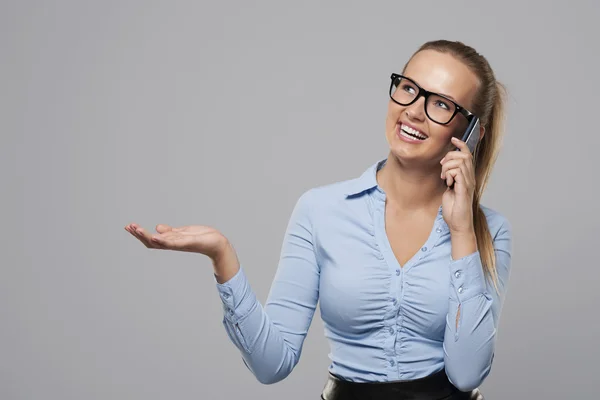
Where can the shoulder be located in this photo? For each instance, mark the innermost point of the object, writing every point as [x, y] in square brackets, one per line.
[498, 223]
[323, 196]
[335, 193]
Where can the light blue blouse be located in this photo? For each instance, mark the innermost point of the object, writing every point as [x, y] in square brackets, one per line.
[384, 321]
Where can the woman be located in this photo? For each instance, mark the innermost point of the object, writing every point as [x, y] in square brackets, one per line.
[409, 269]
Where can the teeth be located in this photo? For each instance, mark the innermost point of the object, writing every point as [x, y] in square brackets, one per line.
[409, 136]
[412, 132]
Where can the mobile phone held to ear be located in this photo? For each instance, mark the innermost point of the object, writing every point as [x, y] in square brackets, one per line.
[470, 137]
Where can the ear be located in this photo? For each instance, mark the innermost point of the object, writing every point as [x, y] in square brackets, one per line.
[481, 132]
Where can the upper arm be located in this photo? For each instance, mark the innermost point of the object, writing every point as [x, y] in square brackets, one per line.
[294, 293]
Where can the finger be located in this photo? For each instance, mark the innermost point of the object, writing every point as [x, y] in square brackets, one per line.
[466, 169]
[132, 232]
[133, 229]
[468, 175]
[450, 165]
[129, 228]
[457, 177]
[140, 237]
[449, 179]
[461, 145]
[145, 237]
[162, 228]
[456, 155]
[157, 244]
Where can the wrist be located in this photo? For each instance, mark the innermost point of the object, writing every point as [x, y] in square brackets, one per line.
[463, 233]
[225, 262]
[463, 243]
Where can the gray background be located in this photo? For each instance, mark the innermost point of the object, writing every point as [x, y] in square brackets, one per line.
[222, 114]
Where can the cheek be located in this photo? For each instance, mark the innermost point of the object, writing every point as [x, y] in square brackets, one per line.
[442, 133]
[441, 136]
[393, 113]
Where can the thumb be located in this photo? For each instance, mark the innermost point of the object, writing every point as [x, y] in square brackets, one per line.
[162, 228]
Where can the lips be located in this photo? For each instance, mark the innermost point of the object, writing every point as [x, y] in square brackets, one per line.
[411, 132]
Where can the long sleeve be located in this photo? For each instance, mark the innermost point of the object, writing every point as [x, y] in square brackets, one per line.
[469, 349]
[270, 338]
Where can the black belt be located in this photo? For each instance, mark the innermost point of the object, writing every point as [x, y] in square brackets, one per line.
[432, 387]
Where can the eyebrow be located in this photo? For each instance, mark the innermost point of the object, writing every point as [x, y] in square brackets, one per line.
[443, 94]
[450, 97]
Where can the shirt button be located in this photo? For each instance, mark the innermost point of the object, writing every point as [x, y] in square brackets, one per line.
[231, 312]
[392, 363]
[457, 274]
[391, 330]
[398, 272]
[394, 301]
[438, 230]
[460, 289]
[226, 295]
[424, 248]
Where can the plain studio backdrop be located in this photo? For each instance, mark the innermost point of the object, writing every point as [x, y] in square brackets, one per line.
[223, 113]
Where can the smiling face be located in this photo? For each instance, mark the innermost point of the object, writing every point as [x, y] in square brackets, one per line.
[440, 73]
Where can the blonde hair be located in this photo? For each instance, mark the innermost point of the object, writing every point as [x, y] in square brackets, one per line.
[489, 106]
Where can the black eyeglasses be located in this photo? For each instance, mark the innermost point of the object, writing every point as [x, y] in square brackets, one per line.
[439, 108]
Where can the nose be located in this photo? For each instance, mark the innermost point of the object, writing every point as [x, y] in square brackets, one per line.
[416, 110]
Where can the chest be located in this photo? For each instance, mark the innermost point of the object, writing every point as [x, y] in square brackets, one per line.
[407, 232]
[361, 285]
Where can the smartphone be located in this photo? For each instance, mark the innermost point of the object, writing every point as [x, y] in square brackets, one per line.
[470, 137]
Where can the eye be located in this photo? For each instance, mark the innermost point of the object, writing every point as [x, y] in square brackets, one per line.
[442, 104]
[409, 89]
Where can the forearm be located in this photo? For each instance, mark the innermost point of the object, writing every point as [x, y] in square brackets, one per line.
[463, 243]
[469, 341]
[473, 312]
[263, 346]
[470, 329]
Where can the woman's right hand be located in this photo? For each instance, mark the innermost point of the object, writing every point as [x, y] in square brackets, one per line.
[192, 238]
[195, 239]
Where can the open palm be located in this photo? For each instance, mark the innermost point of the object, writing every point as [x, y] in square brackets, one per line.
[191, 238]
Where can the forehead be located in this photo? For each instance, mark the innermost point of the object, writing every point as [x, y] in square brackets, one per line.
[444, 74]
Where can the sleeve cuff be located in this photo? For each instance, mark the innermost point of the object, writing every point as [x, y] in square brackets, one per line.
[467, 277]
[237, 296]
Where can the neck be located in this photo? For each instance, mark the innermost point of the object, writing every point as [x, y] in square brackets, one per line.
[411, 187]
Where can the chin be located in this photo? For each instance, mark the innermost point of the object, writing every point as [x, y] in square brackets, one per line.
[407, 154]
